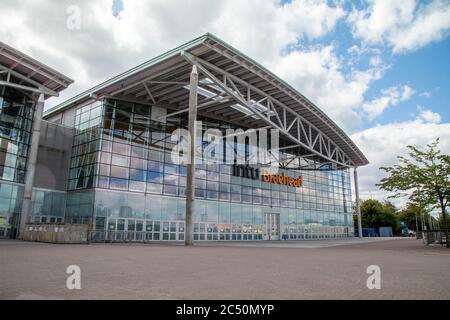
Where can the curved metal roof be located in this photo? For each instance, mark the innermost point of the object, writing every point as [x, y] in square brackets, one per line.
[236, 89]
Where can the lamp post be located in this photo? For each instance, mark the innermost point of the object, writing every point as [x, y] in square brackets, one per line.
[417, 228]
[358, 207]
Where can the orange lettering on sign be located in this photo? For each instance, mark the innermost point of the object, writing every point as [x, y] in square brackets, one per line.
[282, 179]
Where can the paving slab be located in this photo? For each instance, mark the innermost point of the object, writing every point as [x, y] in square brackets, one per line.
[285, 270]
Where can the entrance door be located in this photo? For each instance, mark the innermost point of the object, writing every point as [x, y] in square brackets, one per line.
[131, 230]
[271, 226]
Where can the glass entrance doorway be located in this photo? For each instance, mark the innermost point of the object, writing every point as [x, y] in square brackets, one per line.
[271, 226]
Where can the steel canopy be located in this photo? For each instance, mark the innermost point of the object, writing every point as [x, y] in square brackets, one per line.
[232, 88]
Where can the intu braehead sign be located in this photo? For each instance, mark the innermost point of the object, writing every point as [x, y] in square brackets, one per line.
[248, 172]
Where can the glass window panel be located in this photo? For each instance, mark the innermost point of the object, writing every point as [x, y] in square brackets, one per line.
[225, 169]
[212, 211]
[119, 160]
[236, 197]
[154, 177]
[170, 168]
[96, 112]
[154, 188]
[169, 209]
[155, 155]
[200, 193]
[200, 184]
[84, 117]
[155, 166]
[214, 176]
[153, 207]
[236, 213]
[212, 194]
[246, 214]
[103, 182]
[200, 211]
[224, 196]
[235, 188]
[224, 187]
[224, 212]
[106, 145]
[139, 152]
[104, 170]
[171, 179]
[246, 190]
[170, 189]
[182, 170]
[120, 148]
[138, 175]
[138, 163]
[120, 184]
[246, 198]
[182, 181]
[224, 178]
[200, 174]
[213, 186]
[119, 172]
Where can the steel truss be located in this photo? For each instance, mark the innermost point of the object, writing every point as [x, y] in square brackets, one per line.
[269, 109]
[16, 80]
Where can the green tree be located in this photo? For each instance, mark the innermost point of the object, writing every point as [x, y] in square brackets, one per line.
[375, 214]
[389, 207]
[424, 178]
[411, 213]
[441, 223]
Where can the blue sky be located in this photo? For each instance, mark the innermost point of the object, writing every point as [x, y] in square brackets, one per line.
[425, 70]
[117, 7]
[379, 68]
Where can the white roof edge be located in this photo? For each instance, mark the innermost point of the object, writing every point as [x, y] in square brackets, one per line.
[128, 73]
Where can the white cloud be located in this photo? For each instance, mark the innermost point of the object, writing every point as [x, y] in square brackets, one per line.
[426, 94]
[389, 97]
[106, 45]
[428, 116]
[404, 24]
[382, 144]
[318, 74]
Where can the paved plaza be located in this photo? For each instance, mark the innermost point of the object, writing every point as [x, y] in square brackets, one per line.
[272, 270]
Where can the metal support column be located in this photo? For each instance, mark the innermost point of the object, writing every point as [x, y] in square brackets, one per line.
[190, 182]
[31, 164]
[417, 228]
[358, 206]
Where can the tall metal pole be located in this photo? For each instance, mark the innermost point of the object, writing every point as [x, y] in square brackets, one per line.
[31, 164]
[417, 228]
[424, 227]
[358, 207]
[190, 182]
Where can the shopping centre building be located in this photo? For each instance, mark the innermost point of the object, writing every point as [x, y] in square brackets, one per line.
[105, 156]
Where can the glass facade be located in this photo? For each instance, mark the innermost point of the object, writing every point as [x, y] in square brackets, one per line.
[48, 206]
[10, 206]
[122, 181]
[85, 147]
[16, 118]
